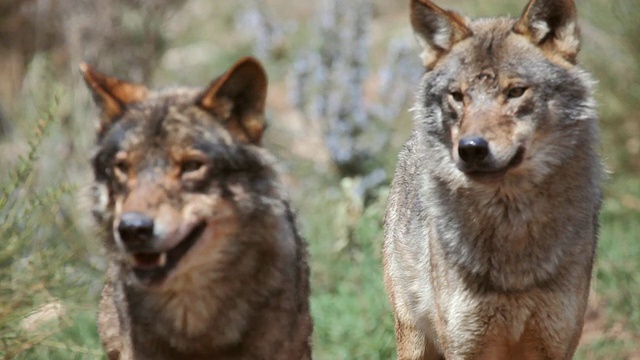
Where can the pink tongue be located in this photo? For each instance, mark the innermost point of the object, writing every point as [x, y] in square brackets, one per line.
[147, 260]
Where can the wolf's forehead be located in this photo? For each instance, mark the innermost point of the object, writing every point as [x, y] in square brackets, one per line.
[178, 95]
[158, 136]
[493, 52]
[174, 116]
[492, 26]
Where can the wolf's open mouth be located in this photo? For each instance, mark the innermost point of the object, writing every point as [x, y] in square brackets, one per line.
[152, 268]
[493, 174]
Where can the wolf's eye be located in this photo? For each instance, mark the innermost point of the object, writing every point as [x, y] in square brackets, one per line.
[191, 166]
[516, 92]
[121, 166]
[120, 170]
[457, 96]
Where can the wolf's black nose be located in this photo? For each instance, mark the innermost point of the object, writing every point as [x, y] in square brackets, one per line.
[473, 149]
[135, 228]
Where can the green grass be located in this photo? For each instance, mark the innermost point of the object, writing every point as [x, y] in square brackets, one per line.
[617, 273]
[351, 313]
[609, 349]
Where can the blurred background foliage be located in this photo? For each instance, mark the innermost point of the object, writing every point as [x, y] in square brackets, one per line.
[342, 77]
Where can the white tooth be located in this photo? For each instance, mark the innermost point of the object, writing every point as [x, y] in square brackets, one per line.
[163, 259]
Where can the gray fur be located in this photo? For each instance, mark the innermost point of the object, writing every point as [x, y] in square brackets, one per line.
[495, 269]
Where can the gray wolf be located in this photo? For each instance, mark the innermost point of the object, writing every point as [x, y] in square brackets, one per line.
[205, 261]
[492, 219]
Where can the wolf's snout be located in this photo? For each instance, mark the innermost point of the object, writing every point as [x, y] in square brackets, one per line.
[135, 228]
[473, 149]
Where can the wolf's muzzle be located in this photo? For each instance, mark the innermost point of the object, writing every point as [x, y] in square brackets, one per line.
[478, 162]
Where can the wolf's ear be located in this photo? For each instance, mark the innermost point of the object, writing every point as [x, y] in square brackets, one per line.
[551, 25]
[437, 30]
[238, 97]
[111, 95]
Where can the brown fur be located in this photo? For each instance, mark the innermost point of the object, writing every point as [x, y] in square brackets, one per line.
[205, 261]
[491, 226]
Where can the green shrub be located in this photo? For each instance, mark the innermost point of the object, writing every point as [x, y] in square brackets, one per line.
[44, 277]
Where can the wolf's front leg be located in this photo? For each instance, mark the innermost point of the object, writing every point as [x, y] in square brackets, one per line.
[412, 343]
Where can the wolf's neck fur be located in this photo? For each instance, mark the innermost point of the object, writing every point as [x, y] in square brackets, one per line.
[175, 316]
[192, 306]
[494, 234]
[208, 315]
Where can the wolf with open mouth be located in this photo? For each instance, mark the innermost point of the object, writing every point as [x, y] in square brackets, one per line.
[205, 261]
